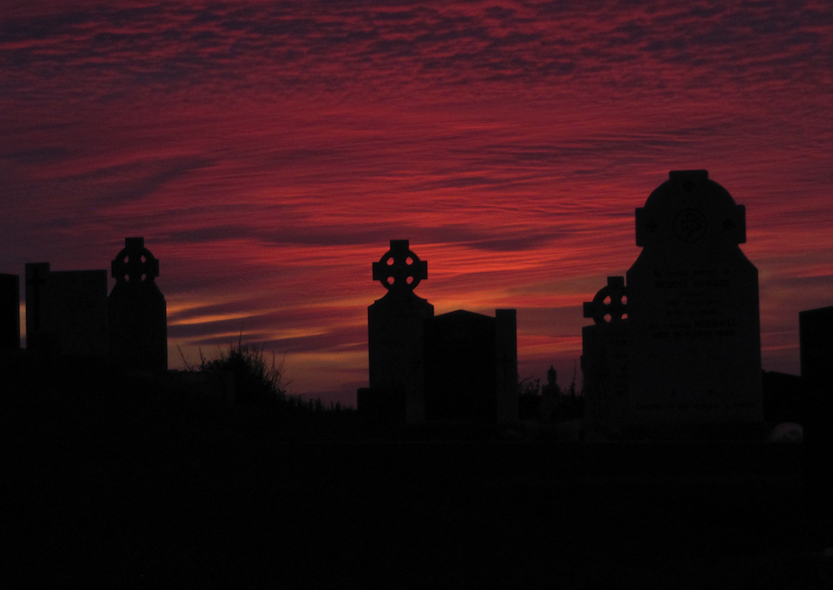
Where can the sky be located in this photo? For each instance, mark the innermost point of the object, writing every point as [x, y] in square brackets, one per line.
[269, 151]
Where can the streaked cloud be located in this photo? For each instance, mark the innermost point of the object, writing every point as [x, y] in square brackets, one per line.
[269, 151]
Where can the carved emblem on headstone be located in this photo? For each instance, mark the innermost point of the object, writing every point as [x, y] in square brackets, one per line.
[610, 304]
[138, 318]
[690, 225]
[134, 263]
[400, 270]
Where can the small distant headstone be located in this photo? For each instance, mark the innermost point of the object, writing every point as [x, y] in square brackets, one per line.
[9, 312]
[471, 367]
[396, 334]
[815, 328]
[137, 311]
[694, 339]
[66, 311]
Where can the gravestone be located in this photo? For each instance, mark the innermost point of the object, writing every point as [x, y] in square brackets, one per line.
[605, 359]
[471, 367]
[506, 345]
[396, 335]
[694, 339]
[9, 312]
[815, 329]
[137, 311]
[66, 311]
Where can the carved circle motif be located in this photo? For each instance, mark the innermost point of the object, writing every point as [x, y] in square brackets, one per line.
[690, 225]
[400, 269]
[135, 264]
[609, 301]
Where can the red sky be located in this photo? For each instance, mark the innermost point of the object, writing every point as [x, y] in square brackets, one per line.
[268, 152]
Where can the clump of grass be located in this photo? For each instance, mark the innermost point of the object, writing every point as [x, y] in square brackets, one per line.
[257, 380]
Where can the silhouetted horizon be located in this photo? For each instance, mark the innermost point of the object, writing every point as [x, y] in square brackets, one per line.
[260, 147]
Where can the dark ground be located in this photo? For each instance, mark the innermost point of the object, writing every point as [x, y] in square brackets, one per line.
[133, 489]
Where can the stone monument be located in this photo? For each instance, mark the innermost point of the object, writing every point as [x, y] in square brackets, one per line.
[66, 311]
[815, 329]
[137, 311]
[605, 358]
[396, 336]
[692, 302]
[9, 312]
[471, 367]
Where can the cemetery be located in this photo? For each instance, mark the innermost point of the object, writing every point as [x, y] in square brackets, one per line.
[126, 472]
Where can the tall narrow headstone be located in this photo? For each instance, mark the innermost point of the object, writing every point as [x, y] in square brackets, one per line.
[9, 312]
[66, 311]
[506, 359]
[815, 329]
[396, 332]
[137, 311]
[695, 348]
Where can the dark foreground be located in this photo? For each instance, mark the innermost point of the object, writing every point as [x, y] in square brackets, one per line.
[145, 493]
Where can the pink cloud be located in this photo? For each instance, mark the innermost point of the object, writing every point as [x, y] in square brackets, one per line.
[268, 152]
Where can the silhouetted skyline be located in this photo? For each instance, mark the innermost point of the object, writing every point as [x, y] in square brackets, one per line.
[270, 152]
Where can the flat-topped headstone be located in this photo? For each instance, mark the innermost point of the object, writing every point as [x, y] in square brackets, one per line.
[66, 311]
[695, 349]
[471, 369]
[9, 312]
[396, 333]
[137, 311]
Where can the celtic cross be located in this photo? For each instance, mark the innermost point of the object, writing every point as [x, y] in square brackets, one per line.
[609, 301]
[135, 263]
[400, 270]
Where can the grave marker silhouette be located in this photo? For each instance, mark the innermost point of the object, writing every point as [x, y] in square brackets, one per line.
[457, 366]
[66, 311]
[689, 350]
[604, 359]
[815, 329]
[471, 367]
[396, 336]
[695, 338]
[137, 311]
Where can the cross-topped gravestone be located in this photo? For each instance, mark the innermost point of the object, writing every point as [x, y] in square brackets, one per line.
[400, 269]
[695, 352]
[604, 359]
[396, 334]
[610, 303]
[134, 263]
[137, 310]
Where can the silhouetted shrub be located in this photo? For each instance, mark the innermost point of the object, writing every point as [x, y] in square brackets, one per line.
[256, 381]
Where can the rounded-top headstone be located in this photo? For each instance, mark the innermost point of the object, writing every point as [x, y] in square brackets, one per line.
[690, 211]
